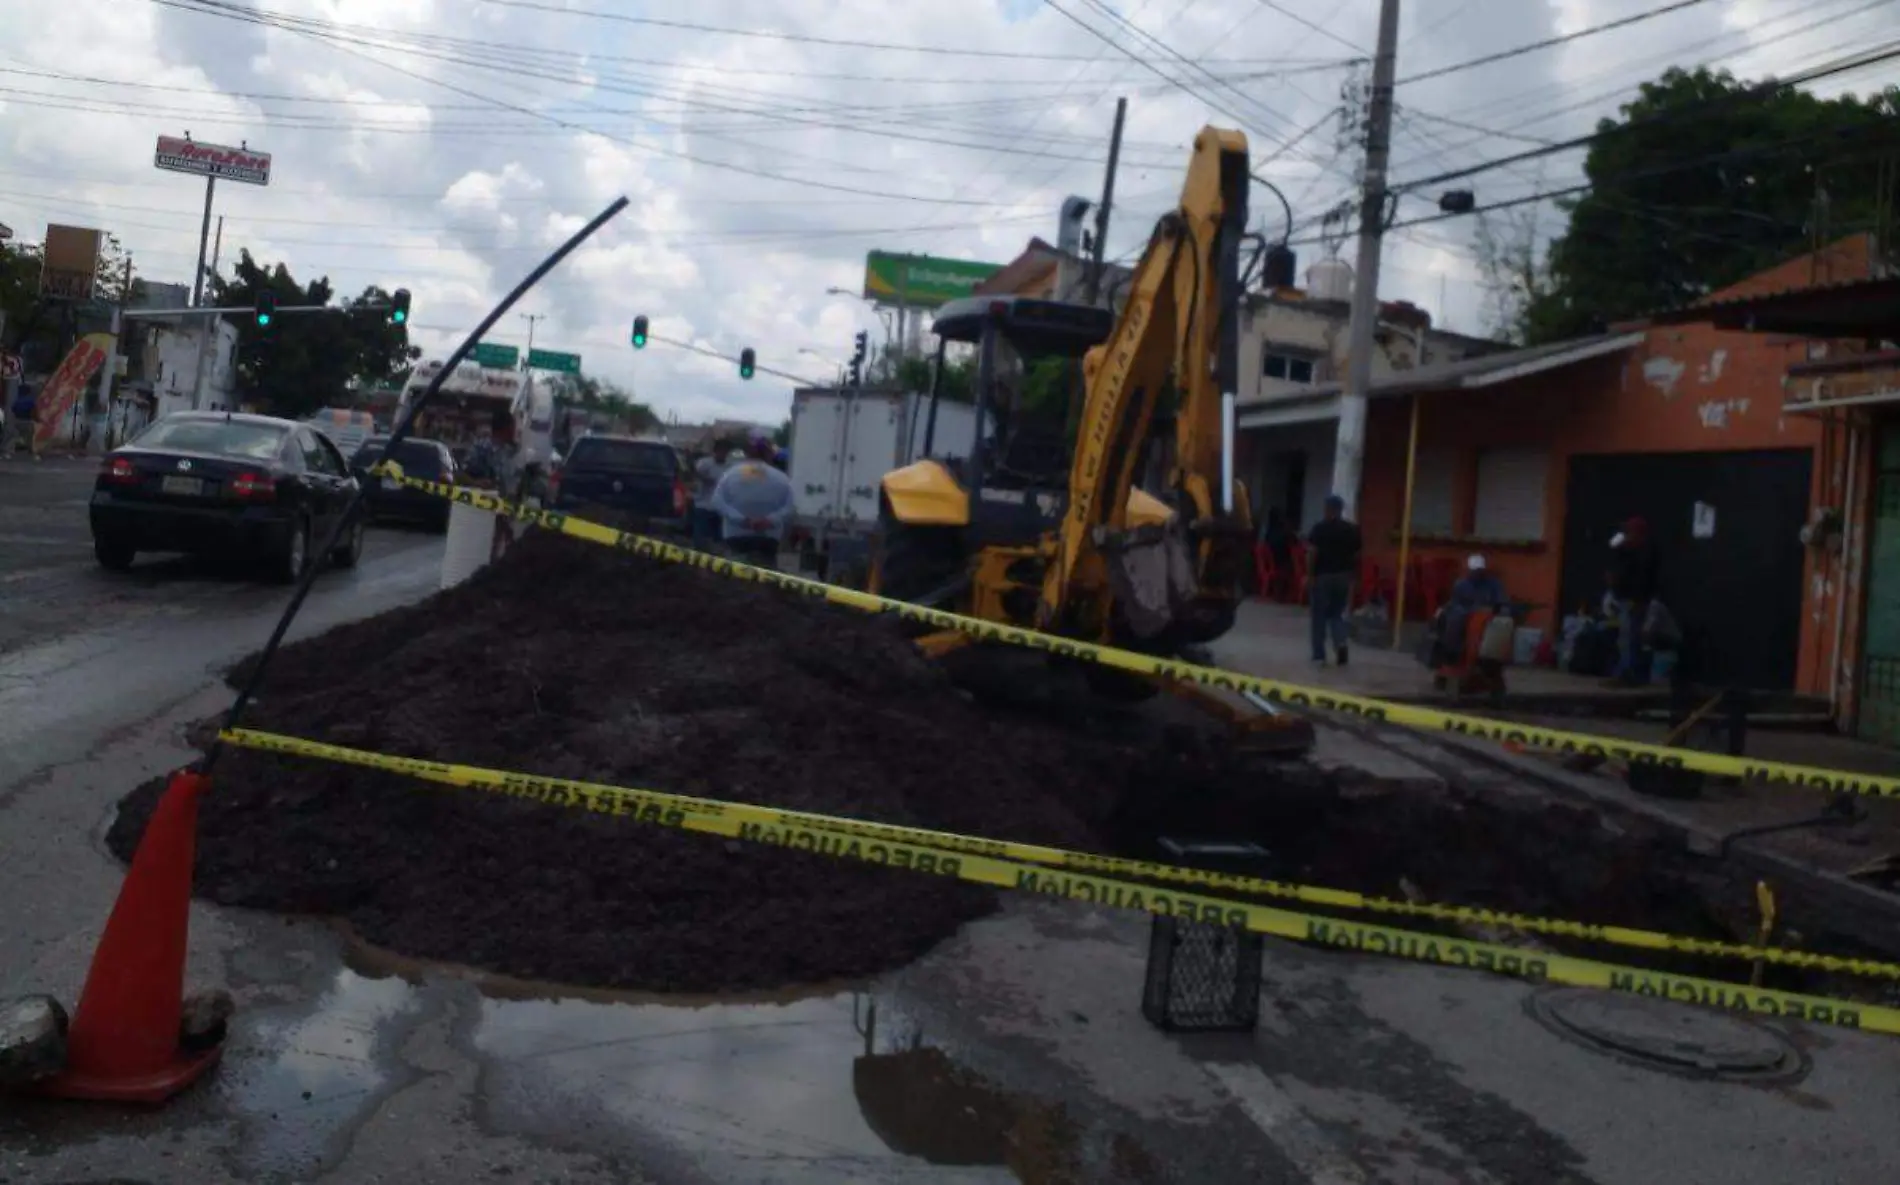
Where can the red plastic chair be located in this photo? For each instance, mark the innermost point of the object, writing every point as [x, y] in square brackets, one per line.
[1300, 589]
[1372, 584]
[1264, 570]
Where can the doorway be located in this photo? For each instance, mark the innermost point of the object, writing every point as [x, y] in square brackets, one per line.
[1727, 527]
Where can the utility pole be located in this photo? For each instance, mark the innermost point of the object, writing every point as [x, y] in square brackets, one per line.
[1094, 288]
[1349, 452]
[530, 318]
[115, 352]
[208, 329]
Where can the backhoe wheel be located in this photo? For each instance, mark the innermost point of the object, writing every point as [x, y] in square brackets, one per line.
[915, 561]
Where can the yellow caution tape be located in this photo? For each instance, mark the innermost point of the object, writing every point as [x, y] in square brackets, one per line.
[1516, 736]
[680, 810]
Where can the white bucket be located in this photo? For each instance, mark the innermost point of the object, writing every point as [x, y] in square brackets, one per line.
[470, 540]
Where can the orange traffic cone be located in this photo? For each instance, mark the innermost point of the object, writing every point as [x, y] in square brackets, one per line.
[123, 1045]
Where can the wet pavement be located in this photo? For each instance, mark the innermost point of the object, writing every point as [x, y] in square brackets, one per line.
[1014, 1052]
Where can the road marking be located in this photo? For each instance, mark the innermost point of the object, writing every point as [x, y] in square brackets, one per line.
[1310, 1150]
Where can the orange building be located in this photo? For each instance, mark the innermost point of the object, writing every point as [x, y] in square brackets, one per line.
[1535, 458]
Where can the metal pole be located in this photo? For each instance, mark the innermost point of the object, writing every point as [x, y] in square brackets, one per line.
[531, 318]
[1849, 568]
[1349, 451]
[209, 332]
[1405, 525]
[1094, 280]
[113, 354]
[204, 234]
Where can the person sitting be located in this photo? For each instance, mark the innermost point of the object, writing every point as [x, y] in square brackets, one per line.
[1478, 589]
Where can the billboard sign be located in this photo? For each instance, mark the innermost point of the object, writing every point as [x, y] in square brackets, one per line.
[184, 155]
[921, 281]
[69, 262]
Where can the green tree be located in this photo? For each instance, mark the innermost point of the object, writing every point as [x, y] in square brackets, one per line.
[959, 377]
[302, 362]
[604, 396]
[1699, 185]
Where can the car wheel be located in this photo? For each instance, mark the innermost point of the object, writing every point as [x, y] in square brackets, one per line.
[439, 523]
[113, 555]
[288, 565]
[351, 549]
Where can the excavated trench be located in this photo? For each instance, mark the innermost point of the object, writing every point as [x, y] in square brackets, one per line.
[574, 661]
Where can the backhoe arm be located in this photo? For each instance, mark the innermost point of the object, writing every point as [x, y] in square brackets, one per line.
[1178, 332]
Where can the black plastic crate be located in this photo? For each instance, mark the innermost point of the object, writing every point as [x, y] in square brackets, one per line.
[1203, 977]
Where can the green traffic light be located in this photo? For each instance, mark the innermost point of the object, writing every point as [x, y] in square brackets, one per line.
[263, 318]
[747, 359]
[399, 317]
[640, 333]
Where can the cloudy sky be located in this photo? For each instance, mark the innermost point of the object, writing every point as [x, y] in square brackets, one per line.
[445, 145]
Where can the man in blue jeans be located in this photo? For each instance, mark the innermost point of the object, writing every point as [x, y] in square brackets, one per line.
[1330, 574]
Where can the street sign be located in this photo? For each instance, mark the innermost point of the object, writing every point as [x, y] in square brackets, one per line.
[495, 357]
[185, 155]
[554, 360]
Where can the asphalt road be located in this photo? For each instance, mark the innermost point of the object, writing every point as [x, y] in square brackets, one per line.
[1014, 1052]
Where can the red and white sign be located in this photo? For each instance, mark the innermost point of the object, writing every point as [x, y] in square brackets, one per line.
[213, 160]
[56, 399]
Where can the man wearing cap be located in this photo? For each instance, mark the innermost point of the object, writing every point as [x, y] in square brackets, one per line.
[1479, 588]
[1335, 565]
[1635, 581]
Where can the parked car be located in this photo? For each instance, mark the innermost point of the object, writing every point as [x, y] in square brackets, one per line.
[429, 460]
[642, 479]
[219, 483]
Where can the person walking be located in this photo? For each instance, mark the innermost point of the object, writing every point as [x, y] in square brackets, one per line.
[23, 423]
[753, 501]
[1336, 545]
[707, 471]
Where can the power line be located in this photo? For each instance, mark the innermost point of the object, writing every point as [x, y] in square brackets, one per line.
[1755, 152]
[1549, 42]
[1856, 62]
[1514, 103]
[1320, 29]
[801, 38]
[210, 8]
[1144, 36]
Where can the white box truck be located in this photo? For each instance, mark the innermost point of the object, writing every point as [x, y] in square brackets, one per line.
[843, 442]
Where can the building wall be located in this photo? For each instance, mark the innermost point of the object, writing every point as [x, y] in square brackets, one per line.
[1684, 389]
[1318, 328]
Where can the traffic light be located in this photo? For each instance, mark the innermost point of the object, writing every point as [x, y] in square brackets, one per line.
[266, 308]
[861, 344]
[399, 307]
[747, 362]
[640, 332]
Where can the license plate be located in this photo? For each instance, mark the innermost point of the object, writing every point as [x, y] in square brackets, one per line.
[188, 486]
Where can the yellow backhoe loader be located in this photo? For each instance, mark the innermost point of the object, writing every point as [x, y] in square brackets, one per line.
[1099, 500]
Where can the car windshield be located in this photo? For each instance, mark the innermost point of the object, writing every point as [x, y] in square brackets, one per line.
[622, 456]
[224, 438]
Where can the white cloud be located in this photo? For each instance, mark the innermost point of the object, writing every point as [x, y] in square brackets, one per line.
[445, 145]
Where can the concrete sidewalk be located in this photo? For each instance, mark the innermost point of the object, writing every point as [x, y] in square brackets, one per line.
[1271, 640]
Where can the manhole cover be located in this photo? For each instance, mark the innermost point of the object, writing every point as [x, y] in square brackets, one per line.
[1675, 1038]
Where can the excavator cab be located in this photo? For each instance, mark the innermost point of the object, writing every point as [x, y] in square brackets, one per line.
[937, 516]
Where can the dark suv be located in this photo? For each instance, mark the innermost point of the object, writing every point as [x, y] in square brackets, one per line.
[644, 480]
[426, 459]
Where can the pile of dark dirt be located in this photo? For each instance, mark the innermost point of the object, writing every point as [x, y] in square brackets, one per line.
[575, 661]
[570, 660]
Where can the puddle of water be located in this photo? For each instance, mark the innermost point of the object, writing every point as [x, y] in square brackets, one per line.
[301, 1077]
[840, 1088]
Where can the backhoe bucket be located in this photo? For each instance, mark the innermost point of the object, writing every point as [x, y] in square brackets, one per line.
[1151, 572]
